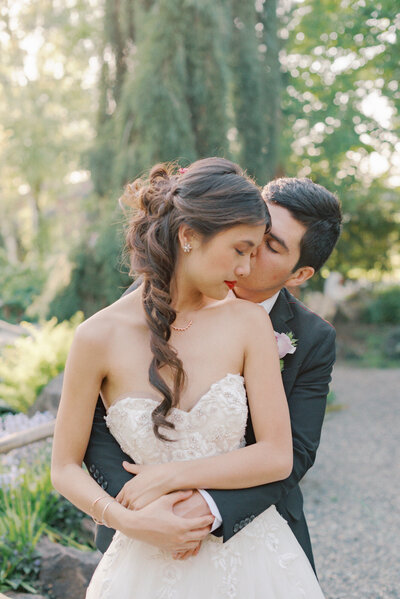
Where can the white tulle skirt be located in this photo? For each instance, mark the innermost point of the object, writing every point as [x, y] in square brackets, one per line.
[262, 561]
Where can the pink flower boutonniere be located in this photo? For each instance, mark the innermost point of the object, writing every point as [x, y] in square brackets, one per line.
[286, 345]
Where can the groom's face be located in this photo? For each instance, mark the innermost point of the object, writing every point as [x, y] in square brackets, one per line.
[273, 264]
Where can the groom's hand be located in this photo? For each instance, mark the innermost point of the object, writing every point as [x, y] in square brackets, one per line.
[193, 507]
[159, 525]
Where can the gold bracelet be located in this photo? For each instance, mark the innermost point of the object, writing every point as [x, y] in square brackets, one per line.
[104, 511]
[92, 508]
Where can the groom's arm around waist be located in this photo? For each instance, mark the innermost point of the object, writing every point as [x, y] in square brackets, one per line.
[307, 403]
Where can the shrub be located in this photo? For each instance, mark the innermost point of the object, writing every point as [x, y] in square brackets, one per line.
[19, 285]
[98, 277]
[32, 361]
[31, 507]
[384, 307]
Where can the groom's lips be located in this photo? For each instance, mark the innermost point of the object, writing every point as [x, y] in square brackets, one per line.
[230, 284]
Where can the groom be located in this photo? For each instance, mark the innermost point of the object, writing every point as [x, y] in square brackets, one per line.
[306, 223]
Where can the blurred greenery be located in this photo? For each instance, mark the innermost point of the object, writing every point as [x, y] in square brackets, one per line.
[31, 508]
[32, 361]
[384, 306]
[92, 93]
[20, 285]
[368, 345]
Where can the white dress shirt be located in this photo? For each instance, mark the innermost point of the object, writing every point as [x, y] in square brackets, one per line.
[267, 304]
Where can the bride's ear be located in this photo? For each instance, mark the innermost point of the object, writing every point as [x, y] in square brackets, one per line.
[187, 237]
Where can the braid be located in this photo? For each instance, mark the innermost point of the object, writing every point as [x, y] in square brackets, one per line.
[154, 256]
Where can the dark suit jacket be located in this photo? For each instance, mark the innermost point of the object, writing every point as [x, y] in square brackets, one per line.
[306, 377]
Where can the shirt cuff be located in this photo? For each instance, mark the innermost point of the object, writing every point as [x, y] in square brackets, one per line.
[213, 509]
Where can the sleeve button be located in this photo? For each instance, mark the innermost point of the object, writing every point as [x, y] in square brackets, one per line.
[236, 528]
[92, 468]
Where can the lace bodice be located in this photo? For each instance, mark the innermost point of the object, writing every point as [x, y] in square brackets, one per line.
[262, 560]
[216, 424]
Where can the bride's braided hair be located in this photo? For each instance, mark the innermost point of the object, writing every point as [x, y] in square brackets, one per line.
[212, 195]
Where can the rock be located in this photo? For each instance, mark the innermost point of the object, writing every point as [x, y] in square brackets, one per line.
[65, 571]
[49, 398]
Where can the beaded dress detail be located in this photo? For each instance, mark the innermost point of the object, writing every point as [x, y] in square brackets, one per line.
[263, 560]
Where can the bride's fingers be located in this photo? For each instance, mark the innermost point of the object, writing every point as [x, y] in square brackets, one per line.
[132, 468]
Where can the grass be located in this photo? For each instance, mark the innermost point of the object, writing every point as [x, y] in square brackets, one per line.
[30, 508]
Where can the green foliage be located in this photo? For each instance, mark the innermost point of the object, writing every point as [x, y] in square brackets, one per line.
[23, 508]
[247, 89]
[295, 88]
[19, 285]
[340, 118]
[32, 361]
[29, 509]
[392, 344]
[46, 118]
[98, 277]
[368, 345]
[384, 306]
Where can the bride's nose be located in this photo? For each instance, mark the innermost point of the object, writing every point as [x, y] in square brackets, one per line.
[244, 269]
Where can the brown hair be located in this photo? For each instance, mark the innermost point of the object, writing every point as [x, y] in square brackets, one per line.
[210, 196]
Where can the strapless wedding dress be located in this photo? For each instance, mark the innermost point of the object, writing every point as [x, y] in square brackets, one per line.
[263, 560]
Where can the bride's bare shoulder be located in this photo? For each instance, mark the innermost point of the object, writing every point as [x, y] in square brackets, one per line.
[243, 311]
[103, 325]
[236, 304]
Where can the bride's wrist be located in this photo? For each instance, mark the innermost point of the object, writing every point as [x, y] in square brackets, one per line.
[179, 476]
[119, 517]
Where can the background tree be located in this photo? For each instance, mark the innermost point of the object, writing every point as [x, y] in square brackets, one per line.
[282, 86]
[341, 118]
[46, 96]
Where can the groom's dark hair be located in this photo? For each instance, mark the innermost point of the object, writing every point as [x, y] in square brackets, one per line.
[316, 208]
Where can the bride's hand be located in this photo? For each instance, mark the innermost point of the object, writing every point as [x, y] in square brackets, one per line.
[151, 482]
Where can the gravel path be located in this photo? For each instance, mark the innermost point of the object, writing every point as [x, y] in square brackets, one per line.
[352, 494]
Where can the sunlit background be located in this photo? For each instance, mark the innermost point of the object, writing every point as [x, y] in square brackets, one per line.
[93, 93]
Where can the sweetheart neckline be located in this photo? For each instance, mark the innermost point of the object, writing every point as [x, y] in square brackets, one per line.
[212, 386]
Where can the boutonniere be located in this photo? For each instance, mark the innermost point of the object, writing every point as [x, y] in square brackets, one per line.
[286, 345]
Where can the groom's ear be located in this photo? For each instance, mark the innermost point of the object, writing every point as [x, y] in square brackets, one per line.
[300, 276]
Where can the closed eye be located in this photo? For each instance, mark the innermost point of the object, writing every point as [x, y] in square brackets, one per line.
[270, 247]
[239, 252]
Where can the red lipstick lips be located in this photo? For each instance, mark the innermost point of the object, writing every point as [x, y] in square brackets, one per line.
[230, 284]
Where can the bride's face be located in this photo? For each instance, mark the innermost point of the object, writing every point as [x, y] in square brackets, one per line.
[215, 265]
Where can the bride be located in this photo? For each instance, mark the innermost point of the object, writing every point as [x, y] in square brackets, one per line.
[178, 362]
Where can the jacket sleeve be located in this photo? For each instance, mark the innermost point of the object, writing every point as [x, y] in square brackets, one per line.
[307, 403]
[104, 456]
[103, 459]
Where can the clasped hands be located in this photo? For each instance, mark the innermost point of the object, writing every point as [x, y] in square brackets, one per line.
[156, 482]
[151, 482]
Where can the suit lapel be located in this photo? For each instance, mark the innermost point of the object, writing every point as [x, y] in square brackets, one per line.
[281, 314]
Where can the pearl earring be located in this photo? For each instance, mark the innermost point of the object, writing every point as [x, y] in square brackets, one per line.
[187, 247]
